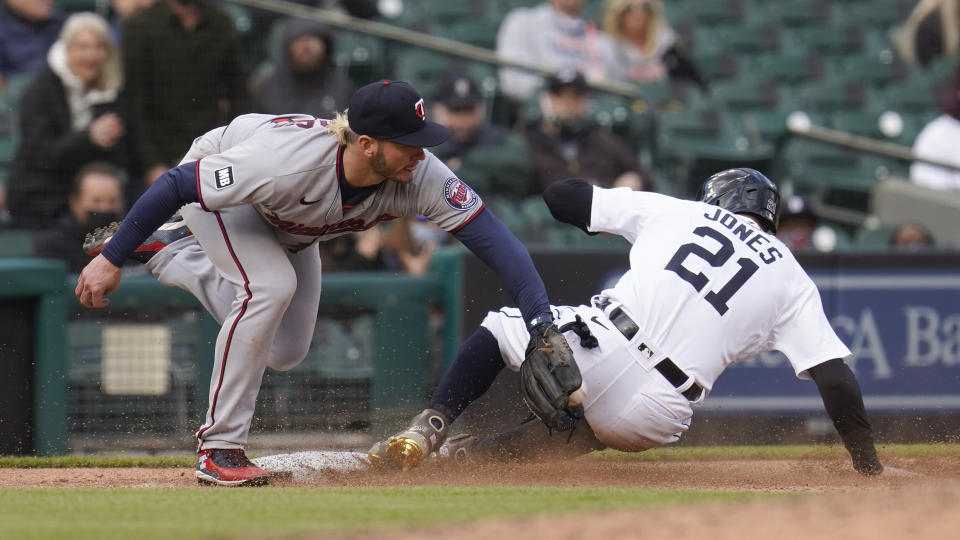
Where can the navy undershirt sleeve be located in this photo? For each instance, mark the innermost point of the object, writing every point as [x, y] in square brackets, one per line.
[173, 189]
[570, 201]
[490, 240]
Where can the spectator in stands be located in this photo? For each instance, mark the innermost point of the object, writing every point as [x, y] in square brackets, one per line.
[96, 200]
[912, 237]
[27, 30]
[938, 141]
[493, 160]
[304, 78]
[122, 11]
[184, 77]
[552, 35]
[800, 228]
[68, 117]
[565, 143]
[645, 46]
[932, 30]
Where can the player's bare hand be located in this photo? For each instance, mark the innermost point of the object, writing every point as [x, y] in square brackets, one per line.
[106, 130]
[96, 281]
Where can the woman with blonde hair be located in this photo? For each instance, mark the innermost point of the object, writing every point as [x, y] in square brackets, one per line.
[645, 46]
[68, 117]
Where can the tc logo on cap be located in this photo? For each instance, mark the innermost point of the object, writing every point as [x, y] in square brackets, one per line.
[420, 110]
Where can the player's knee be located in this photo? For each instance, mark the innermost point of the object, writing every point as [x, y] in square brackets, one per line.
[288, 354]
[275, 295]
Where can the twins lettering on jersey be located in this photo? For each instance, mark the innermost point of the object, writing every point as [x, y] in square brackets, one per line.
[458, 194]
[347, 225]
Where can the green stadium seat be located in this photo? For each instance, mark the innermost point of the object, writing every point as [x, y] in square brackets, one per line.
[915, 96]
[875, 70]
[873, 238]
[747, 94]
[881, 14]
[363, 56]
[793, 14]
[481, 31]
[829, 40]
[16, 243]
[833, 95]
[713, 12]
[788, 67]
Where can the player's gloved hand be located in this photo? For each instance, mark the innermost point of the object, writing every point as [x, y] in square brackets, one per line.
[548, 376]
[410, 447]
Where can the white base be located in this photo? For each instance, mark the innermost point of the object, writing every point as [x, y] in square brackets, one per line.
[314, 467]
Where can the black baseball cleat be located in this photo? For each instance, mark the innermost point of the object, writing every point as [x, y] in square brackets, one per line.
[174, 229]
[228, 468]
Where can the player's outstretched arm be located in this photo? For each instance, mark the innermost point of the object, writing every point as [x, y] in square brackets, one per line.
[844, 404]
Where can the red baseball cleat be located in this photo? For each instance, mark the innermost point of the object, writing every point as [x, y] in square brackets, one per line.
[174, 229]
[229, 468]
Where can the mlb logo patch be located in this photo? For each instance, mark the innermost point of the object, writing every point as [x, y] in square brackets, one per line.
[459, 195]
[224, 177]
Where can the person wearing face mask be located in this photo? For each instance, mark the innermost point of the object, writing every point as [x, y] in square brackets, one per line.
[564, 142]
[96, 200]
[67, 117]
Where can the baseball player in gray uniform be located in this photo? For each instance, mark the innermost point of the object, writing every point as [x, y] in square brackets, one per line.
[257, 195]
[709, 285]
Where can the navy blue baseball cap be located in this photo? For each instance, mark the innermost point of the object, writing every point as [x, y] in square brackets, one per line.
[393, 110]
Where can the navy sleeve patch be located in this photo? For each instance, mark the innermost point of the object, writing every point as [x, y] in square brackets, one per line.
[459, 195]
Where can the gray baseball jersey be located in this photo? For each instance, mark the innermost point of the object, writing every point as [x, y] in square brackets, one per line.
[286, 167]
[706, 288]
[269, 188]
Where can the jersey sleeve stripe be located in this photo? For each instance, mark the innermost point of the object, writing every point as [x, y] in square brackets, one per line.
[475, 214]
[199, 192]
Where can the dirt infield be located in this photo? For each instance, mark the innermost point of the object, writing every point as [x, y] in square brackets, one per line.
[921, 504]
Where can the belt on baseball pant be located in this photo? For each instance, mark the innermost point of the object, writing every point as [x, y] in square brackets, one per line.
[666, 367]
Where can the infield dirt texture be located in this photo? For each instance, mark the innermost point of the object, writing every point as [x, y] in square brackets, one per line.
[810, 494]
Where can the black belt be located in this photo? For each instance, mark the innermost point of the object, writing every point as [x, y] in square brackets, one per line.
[666, 367]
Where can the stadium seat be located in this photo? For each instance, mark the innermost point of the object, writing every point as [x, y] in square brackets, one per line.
[873, 238]
[362, 55]
[829, 40]
[713, 12]
[747, 94]
[875, 70]
[793, 14]
[881, 14]
[788, 67]
[833, 95]
[16, 243]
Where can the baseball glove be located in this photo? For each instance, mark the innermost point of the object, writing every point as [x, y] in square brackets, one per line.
[548, 375]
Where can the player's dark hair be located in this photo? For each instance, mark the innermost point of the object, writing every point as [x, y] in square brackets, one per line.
[95, 167]
[744, 191]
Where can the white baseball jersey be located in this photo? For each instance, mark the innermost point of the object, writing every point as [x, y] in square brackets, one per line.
[706, 288]
[296, 189]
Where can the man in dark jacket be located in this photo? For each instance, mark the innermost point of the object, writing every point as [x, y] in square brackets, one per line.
[565, 143]
[304, 78]
[27, 29]
[184, 76]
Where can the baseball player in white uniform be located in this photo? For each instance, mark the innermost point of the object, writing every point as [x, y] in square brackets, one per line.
[258, 194]
[709, 285]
